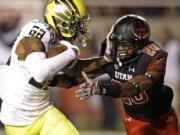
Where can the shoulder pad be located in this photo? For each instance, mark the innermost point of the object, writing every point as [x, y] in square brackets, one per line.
[40, 30]
[151, 49]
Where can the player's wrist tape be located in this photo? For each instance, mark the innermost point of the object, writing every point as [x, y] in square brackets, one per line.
[110, 90]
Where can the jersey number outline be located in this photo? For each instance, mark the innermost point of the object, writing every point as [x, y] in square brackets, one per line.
[151, 50]
[141, 98]
[37, 32]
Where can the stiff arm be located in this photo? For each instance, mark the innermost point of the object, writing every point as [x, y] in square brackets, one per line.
[73, 76]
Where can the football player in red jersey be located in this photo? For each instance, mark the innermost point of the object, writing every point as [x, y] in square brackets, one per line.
[136, 75]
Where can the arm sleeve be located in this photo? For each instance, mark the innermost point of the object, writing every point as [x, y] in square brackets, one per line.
[43, 68]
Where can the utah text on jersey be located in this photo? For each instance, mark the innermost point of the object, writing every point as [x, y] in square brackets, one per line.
[122, 76]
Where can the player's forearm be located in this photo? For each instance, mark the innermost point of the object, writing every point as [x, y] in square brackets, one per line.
[132, 87]
[123, 89]
[140, 83]
[90, 66]
[94, 64]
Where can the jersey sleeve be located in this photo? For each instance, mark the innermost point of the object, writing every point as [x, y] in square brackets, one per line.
[158, 63]
[39, 30]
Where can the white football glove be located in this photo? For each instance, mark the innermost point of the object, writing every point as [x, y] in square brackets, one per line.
[69, 45]
[87, 89]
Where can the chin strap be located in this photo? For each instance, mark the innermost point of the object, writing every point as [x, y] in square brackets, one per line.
[119, 62]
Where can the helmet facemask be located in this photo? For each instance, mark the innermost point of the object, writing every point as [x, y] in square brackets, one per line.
[81, 30]
[128, 36]
[123, 51]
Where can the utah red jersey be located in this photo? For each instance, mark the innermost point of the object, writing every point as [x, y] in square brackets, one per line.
[151, 103]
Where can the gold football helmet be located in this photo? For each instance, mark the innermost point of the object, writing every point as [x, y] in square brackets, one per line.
[69, 18]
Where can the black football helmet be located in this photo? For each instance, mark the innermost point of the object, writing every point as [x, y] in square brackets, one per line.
[127, 37]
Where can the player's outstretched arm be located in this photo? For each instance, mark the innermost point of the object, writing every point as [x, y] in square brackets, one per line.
[90, 66]
[115, 88]
[72, 76]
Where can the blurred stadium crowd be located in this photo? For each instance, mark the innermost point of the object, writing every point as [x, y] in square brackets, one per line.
[104, 112]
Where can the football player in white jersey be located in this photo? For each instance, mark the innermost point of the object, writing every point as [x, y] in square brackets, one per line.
[26, 106]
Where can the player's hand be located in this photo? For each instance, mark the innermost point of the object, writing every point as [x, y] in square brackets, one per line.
[87, 89]
[73, 47]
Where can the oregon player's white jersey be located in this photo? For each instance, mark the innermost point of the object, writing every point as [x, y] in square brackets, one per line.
[23, 102]
[37, 29]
